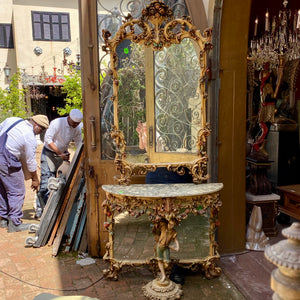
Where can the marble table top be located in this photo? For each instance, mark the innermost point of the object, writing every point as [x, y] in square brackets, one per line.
[163, 190]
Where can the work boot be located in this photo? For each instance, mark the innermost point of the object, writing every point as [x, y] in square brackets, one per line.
[16, 228]
[3, 222]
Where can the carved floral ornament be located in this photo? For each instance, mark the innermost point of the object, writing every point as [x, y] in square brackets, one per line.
[154, 33]
[165, 208]
[157, 28]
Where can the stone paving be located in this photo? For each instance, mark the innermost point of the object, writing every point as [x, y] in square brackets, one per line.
[28, 272]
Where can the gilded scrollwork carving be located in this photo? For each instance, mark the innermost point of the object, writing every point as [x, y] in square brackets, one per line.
[113, 271]
[164, 205]
[158, 29]
[210, 269]
[159, 209]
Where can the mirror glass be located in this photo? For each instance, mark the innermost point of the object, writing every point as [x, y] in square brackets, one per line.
[131, 97]
[177, 98]
[133, 238]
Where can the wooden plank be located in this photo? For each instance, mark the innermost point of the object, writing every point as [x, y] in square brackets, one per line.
[56, 206]
[80, 228]
[74, 162]
[74, 168]
[65, 216]
[83, 247]
[49, 213]
[76, 218]
[81, 238]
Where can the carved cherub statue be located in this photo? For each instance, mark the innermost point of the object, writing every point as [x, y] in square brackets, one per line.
[166, 239]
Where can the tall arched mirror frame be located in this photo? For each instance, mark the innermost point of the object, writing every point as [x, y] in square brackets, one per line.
[155, 31]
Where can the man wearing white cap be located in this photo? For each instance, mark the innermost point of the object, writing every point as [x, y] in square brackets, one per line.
[17, 143]
[58, 136]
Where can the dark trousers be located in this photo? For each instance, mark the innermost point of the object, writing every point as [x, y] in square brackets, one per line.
[12, 186]
[50, 162]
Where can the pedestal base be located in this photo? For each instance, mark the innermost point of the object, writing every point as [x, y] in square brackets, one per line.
[258, 183]
[268, 205]
[167, 290]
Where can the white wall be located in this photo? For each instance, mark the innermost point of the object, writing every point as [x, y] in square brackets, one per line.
[6, 55]
[18, 12]
[52, 55]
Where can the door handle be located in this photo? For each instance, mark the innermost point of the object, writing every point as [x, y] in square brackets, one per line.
[93, 133]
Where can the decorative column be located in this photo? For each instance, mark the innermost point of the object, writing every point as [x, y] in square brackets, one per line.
[285, 280]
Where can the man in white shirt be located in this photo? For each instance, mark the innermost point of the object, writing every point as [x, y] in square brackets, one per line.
[58, 136]
[17, 143]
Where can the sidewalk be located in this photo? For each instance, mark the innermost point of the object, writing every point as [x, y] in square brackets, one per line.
[26, 273]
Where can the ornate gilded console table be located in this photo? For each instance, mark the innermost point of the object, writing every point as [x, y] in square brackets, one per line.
[164, 202]
[168, 122]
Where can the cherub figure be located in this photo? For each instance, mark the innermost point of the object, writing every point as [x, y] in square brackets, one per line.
[166, 239]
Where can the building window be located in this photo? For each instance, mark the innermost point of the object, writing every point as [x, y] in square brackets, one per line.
[48, 26]
[6, 36]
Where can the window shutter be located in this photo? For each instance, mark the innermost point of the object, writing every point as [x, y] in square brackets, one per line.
[2, 36]
[47, 32]
[8, 29]
[6, 36]
[48, 26]
[37, 33]
[65, 32]
[55, 30]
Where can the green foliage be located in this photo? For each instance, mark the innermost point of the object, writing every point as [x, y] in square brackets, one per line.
[72, 88]
[12, 103]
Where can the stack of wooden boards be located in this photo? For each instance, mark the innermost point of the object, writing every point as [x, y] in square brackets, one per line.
[63, 223]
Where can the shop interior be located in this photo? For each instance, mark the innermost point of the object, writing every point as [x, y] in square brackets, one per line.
[273, 113]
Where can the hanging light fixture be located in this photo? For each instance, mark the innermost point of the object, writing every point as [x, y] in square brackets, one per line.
[37, 51]
[6, 70]
[280, 39]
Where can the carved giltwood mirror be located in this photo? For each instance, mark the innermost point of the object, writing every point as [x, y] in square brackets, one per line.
[159, 70]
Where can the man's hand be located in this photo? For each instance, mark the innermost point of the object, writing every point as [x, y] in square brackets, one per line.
[35, 184]
[65, 156]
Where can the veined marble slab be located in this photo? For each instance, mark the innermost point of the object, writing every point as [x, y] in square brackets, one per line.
[163, 190]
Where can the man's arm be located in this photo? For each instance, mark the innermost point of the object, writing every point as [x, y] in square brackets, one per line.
[29, 152]
[35, 180]
[64, 156]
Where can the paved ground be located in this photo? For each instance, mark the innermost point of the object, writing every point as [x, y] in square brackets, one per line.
[27, 273]
[33, 274]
